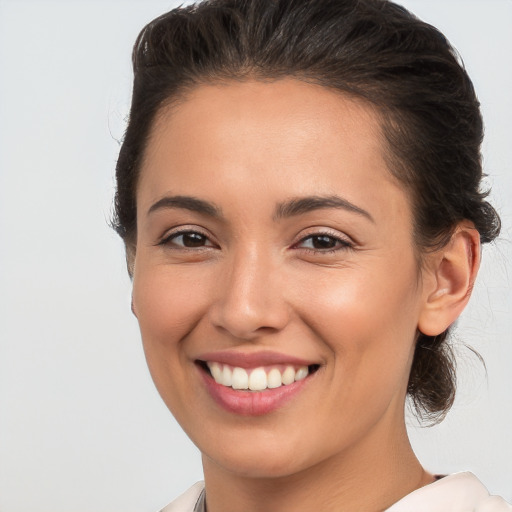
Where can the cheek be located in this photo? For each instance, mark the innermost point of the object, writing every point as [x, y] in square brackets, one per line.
[370, 333]
[168, 306]
[167, 303]
[364, 299]
[368, 322]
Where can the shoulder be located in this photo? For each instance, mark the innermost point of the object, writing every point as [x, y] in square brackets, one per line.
[187, 501]
[460, 492]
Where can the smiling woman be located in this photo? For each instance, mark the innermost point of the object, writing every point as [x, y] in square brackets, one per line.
[299, 195]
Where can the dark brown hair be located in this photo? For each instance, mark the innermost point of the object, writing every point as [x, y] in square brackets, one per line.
[371, 49]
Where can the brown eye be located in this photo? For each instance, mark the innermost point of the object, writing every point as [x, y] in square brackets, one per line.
[323, 242]
[187, 240]
[193, 240]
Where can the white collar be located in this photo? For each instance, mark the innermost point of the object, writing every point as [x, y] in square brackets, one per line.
[460, 492]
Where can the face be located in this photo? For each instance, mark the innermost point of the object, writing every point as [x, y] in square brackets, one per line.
[275, 252]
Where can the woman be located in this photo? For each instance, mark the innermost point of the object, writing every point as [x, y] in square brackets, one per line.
[299, 195]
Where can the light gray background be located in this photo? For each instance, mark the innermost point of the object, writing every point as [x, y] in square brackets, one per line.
[81, 426]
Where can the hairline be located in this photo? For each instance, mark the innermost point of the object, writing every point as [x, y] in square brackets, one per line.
[385, 116]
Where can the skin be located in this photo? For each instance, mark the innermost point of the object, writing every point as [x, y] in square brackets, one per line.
[258, 281]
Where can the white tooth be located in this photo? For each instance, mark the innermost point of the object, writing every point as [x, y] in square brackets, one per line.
[240, 379]
[258, 380]
[301, 373]
[216, 371]
[227, 376]
[274, 378]
[288, 375]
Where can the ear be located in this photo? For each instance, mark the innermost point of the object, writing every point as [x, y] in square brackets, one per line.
[130, 258]
[132, 307]
[448, 283]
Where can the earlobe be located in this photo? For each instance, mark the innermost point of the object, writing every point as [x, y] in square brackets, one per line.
[452, 274]
[133, 308]
[130, 260]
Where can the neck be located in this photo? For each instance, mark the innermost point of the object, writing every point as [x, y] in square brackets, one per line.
[367, 478]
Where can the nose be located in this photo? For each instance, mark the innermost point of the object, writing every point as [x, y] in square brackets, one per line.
[250, 297]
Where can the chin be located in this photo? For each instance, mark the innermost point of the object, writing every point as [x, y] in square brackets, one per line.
[245, 453]
[259, 456]
[257, 466]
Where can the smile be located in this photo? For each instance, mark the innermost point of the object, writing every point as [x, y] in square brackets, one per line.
[257, 379]
[254, 384]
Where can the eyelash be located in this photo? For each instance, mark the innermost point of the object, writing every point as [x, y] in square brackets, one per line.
[343, 244]
[169, 239]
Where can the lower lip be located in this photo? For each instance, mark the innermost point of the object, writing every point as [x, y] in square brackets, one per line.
[251, 403]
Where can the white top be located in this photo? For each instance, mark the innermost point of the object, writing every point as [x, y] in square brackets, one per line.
[460, 492]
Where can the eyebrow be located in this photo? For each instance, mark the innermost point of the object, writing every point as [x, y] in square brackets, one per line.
[187, 203]
[290, 208]
[301, 205]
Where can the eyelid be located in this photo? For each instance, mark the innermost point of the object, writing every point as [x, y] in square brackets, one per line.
[345, 241]
[166, 238]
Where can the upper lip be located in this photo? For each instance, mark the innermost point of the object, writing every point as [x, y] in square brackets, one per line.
[253, 359]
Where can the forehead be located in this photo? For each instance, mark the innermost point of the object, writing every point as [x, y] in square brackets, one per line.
[291, 135]
[307, 114]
